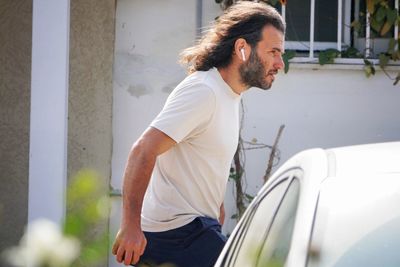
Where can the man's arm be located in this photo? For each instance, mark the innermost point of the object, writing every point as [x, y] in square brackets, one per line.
[221, 218]
[130, 242]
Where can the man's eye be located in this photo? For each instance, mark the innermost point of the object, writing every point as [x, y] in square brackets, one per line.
[275, 53]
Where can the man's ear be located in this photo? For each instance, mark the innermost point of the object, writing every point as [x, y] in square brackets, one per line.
[241, 49]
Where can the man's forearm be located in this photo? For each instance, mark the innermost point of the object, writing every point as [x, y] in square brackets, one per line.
[136, 179]
[139, 167]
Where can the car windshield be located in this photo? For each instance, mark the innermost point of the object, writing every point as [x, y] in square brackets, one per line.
[357, 223]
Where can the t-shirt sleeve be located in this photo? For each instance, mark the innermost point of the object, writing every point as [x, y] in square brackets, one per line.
[186, 112]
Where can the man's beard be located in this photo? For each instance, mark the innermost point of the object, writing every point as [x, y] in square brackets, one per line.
[253, 74]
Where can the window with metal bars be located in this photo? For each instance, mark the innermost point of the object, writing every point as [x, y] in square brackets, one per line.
[315, 25]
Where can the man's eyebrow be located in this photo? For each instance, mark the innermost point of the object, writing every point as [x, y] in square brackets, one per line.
[277, 49]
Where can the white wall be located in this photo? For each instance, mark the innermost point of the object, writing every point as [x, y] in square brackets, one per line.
[320, 108]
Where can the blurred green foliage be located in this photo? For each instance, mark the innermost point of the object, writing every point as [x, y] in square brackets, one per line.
[87, 217]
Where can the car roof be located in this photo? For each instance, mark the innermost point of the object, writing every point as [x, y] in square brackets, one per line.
[368, 159]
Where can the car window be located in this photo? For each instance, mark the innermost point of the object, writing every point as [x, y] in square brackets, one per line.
[260, 218]
[276, 246]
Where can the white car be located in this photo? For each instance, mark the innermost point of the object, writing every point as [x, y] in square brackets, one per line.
[338, 207]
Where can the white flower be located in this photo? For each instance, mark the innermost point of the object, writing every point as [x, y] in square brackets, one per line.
[44, 244]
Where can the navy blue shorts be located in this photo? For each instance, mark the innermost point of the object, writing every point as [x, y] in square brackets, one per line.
[197, 244]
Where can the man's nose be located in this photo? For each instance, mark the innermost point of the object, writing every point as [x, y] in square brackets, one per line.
[279, 63]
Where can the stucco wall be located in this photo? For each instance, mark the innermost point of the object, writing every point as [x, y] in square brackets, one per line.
[90, 86]
[90, 89]
[15, 77]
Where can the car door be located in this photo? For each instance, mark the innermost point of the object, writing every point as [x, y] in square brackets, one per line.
[247, 243]
[276, 244]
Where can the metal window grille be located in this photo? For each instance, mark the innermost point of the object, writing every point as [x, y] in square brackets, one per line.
[343, 7]
[343, 33]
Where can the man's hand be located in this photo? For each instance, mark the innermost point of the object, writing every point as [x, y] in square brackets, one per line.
[222, 214]
[129, 246]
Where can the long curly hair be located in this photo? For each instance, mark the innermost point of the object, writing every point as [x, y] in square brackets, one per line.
[244, 19]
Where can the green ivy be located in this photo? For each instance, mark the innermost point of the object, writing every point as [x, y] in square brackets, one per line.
[328, 56]
[288, 55]
[369, 68]
[351, 52]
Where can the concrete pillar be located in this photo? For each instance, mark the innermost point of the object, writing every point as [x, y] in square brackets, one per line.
[15, 79]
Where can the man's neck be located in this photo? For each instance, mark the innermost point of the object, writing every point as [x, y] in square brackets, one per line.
[231, 76]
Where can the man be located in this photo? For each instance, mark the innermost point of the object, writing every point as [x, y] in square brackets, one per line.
[188, 148]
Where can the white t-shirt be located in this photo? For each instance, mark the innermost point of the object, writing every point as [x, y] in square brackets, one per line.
[189, 180]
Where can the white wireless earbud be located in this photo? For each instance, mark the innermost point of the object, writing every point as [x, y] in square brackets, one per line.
[243, 55]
